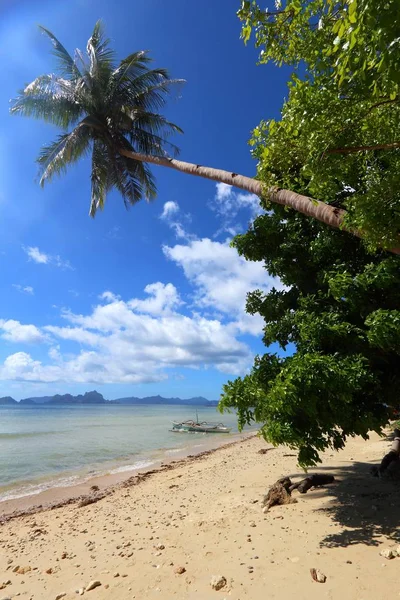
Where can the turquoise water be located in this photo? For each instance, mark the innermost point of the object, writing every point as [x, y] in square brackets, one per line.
[46, 446]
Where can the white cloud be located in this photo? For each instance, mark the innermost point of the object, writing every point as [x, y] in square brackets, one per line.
[14, 331]
[27, 289]
[223, 191]
[228, 202]
[138, 340]
[42, 258]
[170, 208]
[129, 342]
[109, 296]
[39, 257]
[222, 279]
[163, 299]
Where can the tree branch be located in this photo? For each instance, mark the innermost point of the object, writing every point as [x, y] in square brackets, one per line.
[354, 149]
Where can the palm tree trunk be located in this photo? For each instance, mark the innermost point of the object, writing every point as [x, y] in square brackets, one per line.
[307, 206]
[312, 208]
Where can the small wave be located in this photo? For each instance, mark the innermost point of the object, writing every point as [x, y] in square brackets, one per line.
[35, 489]
[141, 464]
[174, 450]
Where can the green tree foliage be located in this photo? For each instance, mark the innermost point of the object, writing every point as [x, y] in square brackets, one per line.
[340, 308]
[339, 140]
[339, 136]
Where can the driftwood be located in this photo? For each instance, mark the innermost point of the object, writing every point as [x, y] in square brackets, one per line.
[280, 492]
[311, 481]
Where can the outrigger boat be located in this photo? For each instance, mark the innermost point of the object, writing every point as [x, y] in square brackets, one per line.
[191, 426]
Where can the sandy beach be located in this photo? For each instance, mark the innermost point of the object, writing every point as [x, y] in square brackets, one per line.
[166, 534]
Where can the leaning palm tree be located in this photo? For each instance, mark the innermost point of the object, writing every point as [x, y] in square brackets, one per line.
[112, 111]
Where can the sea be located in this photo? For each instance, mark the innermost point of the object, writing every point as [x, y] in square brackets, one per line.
[43, 447]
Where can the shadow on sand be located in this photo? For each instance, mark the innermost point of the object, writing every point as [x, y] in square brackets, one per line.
[366, 507]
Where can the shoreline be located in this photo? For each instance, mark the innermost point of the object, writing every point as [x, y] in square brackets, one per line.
[169, 532]
[106, 483]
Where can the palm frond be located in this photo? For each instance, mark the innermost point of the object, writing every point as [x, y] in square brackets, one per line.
[132, 178]
[109, 109]
[134, 64]
[152, 122]
[146, 142]
[144, 94]
[100, 54]
[99, 177]
[67, 149]
[48, 98]
[65, 61]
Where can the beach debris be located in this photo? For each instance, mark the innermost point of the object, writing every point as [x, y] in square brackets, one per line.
[116, 574]
[179, 570]
[81, 591]
[388, 553]
[278, 494]
[49, 571]
[22, 570]
[318, 576]
[94, 488]
[92, 585]
[264, 450]
[59, 596]
[160, 547]
[86, 500]
[315, 480]
[218, 582]
[64, 555]
[6, 598]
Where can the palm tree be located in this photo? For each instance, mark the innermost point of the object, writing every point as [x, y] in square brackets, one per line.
[112, 112]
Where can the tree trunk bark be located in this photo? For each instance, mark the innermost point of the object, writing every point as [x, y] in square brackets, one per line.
[307, 206]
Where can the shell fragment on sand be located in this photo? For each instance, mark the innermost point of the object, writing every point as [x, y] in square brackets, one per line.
[318, 576]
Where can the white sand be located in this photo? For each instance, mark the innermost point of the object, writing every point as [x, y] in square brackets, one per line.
[203, 511]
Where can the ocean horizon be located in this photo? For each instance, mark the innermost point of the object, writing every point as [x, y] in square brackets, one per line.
[46, 446]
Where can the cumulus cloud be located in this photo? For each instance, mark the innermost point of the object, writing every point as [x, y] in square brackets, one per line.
[228, 202]
[27, 289]
[14, 331]
[162, 299]
[221, 279]
[170, 216]
[41, 258]
[140, 339]
[132, 341]
[170, 208]
[108, 296]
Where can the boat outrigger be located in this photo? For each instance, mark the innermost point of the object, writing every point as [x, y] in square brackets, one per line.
[192, 426]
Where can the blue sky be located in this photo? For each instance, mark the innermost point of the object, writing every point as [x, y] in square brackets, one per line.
[150, 300]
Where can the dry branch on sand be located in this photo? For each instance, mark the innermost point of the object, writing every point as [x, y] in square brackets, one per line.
[280, 492]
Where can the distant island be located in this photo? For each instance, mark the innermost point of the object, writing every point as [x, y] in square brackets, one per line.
[97, 398]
